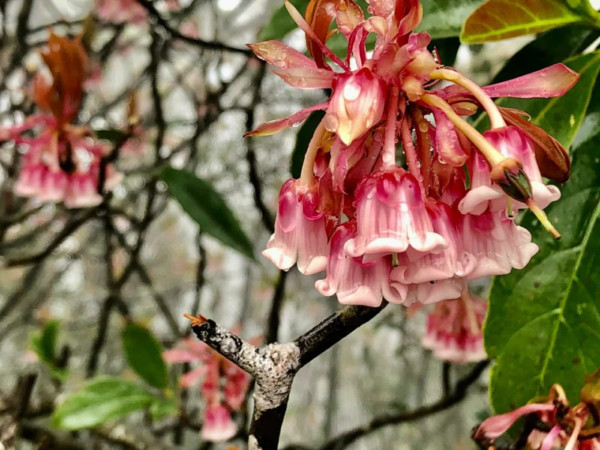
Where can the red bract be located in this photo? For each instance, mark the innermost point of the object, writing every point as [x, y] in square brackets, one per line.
[406, 225]
[62, 161]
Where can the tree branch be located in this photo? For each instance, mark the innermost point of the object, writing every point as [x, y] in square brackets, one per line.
[275, 365]
[456, 396]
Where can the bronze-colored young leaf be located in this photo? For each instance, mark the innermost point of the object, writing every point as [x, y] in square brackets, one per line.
[495, 20]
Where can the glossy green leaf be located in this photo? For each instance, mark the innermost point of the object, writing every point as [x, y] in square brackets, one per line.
[144, 355]
[445, 18]
[560, 116]
[101, 400]
[302, 140]
[591, 122]
[548, 48]
[207, 208]
[495, 20]
[544, 321]
[44, 344]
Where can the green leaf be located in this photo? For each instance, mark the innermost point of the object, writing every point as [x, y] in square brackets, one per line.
[495, 20]
[206, 206]
[591, 122]
[560, 116]
[444, 18]
[101, 400]
[302, 140]
[161, 408]
[44, 344]
[144, 355]
[543, 324]
[281, 23]
[548, 48]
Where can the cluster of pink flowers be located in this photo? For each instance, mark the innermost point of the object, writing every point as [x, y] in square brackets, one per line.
[62, 161]
[559, 425]
[224, 386]
[416, 224]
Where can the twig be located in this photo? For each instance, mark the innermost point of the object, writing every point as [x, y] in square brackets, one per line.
[275, 365]
[67, 231]
[265, 214]
[155, 15]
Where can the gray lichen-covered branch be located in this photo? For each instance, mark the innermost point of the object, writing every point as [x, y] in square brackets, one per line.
[274, 366]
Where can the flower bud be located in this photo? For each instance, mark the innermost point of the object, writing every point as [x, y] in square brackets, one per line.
[356, 105]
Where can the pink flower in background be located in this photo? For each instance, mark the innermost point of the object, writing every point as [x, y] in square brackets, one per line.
[218, 426]
[121, 11]
[62, 161]
[224, 386]
[454, 329]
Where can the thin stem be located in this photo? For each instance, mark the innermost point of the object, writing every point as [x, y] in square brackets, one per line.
[389, 146]
[486, 102]
[543, 218]
[490, 153]
[307, 174]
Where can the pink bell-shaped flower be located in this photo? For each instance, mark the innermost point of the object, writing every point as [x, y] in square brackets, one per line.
[217, 426]
[486, 195]
[356, 105]
[299, 230]
[431, 292]
[452, 261]
[497, 244]
[391, 217]
[356, 282]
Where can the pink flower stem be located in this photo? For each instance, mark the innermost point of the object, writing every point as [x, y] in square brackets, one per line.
[411, 155]
[423, 143]
[307, 174]
[389, 146]
[489, 152]
[486, 102]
